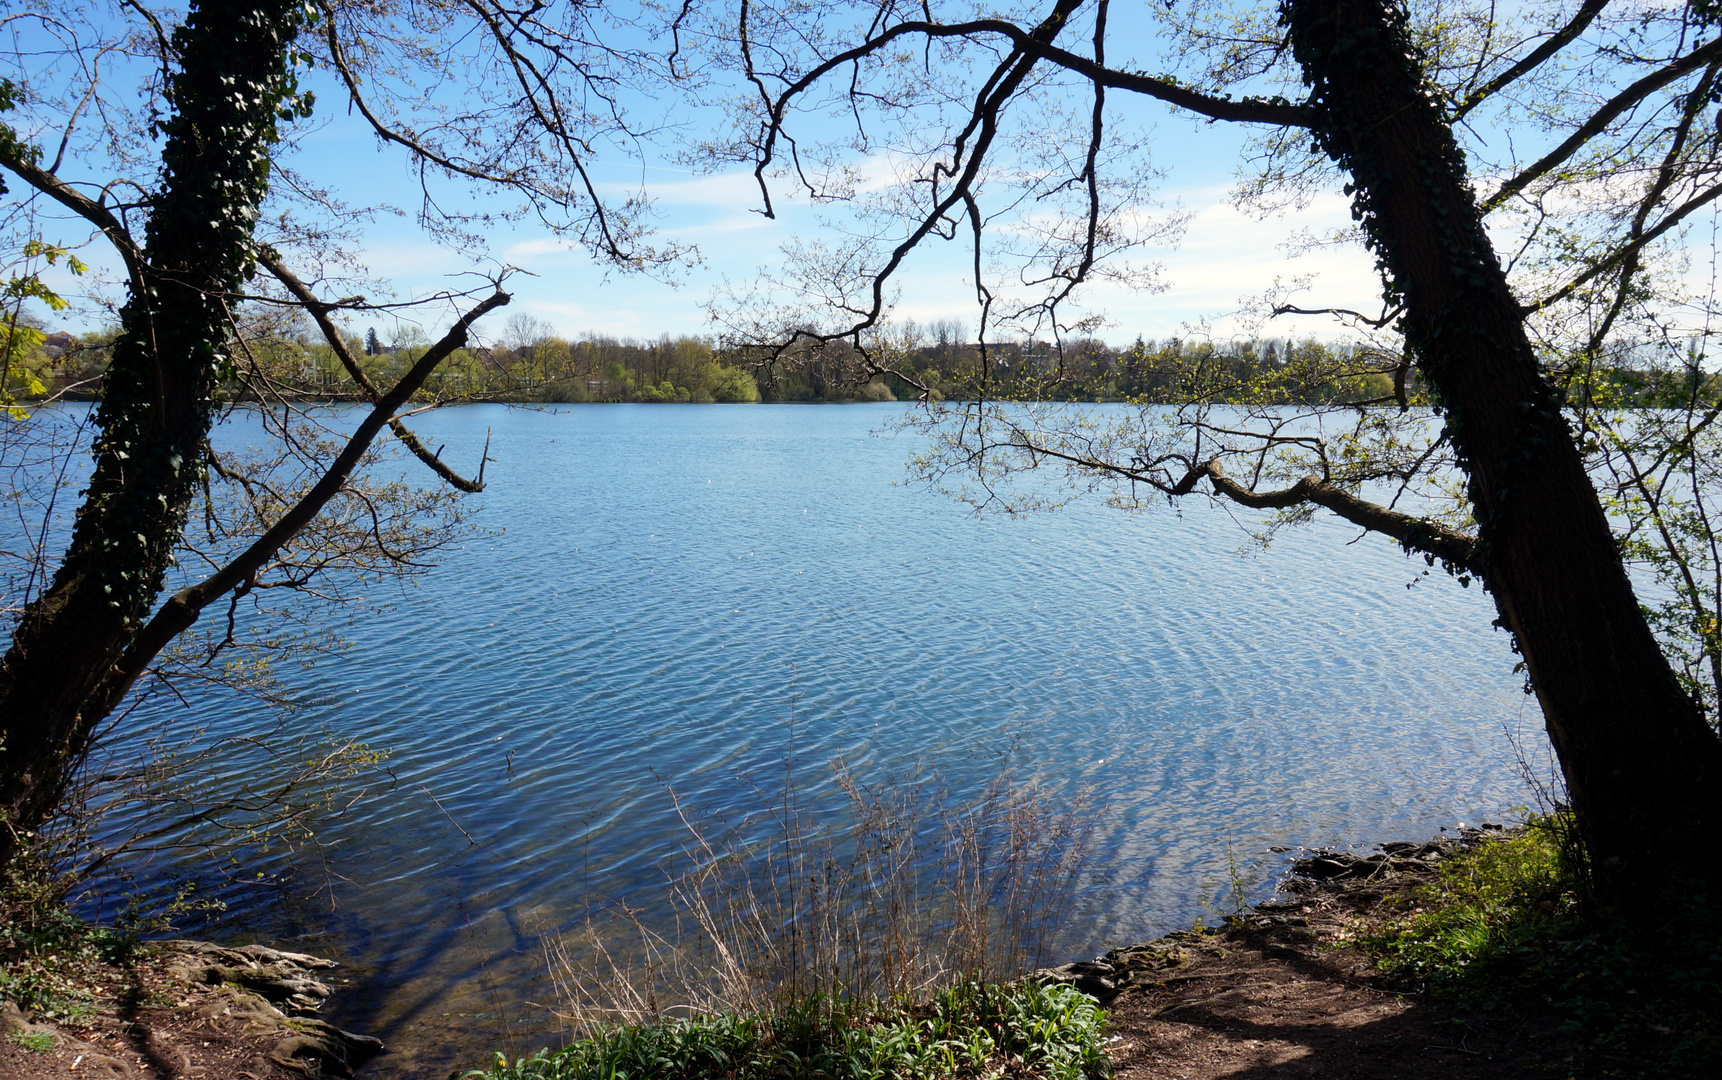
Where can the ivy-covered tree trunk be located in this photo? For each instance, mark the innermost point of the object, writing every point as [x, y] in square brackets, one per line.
[1643, 769]
[61, 675]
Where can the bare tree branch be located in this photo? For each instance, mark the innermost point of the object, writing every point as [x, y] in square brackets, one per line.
[1603, 117]
[319, 310]
[1559, 40]
[182, 609]
[1629, 250]
[1415, 533]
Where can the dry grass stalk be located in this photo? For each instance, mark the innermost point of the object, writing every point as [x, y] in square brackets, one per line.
[902, 891]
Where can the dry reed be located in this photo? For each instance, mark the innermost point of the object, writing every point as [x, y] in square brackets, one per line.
[902, 890]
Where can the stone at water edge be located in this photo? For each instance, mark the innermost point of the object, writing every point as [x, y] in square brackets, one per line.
[1092, 977]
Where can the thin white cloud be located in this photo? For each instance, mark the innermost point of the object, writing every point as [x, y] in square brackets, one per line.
[738, 223]
[729, 191]
[540, 246]
[1228, 256]
[1225, 256]
[412, 261]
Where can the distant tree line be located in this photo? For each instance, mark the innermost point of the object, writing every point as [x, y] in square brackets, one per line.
[1257, 372]
[541, 368]
[1274, 371]
[532, 364]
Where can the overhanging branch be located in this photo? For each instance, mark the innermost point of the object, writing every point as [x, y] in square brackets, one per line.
[1630, 250]
[319, 310]
[1559, 40]
[183, 608]
[1605, 116]
[1454, 548]
[1451, 546]
[1245, 110]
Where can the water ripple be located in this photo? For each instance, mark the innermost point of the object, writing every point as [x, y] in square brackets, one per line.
[672, 585]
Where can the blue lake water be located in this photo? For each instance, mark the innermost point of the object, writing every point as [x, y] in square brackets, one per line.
[670, 584]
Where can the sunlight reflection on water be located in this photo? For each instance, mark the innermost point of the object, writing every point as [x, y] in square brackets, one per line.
[673, 583]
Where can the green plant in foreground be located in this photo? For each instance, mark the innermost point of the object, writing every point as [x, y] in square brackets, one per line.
[40, 1043]
[46, 952]
[1500, 900]
[1505, 926]
[1052, 1032]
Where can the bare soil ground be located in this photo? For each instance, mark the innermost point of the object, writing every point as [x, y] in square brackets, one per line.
[187, 1011]
[1284, 993]
[1285, 1002]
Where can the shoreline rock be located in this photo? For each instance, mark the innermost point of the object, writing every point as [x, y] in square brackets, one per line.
[1323, 870]
[188, 1009]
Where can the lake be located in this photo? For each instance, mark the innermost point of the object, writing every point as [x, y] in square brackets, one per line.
[663, 589]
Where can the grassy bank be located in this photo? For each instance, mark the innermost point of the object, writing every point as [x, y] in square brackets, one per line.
[1487, 951]
[871, 938]
[1506, 925]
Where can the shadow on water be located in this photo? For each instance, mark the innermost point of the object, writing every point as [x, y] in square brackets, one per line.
[451, 993]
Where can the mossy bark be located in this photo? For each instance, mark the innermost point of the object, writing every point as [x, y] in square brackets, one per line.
[1643, 768]
[60, 677]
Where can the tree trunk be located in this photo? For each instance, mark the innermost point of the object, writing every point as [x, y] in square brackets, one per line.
[1643, 769]
[153, 423]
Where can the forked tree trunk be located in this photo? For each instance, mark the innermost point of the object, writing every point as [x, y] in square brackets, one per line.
[58, 679]
[1643, 769]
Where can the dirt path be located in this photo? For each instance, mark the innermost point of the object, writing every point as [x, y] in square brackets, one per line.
[1281, 994]
[1278, 1002]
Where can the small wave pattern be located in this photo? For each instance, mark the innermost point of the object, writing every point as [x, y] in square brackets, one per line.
[668, 590]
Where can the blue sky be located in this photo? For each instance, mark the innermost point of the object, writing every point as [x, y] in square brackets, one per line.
[1225, 255]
